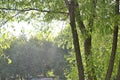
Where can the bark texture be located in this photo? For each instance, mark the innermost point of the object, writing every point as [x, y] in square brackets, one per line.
[113, 53]
[71, 7]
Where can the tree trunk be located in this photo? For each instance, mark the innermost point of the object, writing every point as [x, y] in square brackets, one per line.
[76, 40]
[87, 42]
[114, 45]
[88, 56]
[113, 53]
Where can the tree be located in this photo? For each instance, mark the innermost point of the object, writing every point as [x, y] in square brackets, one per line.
[34, 57]
[71, 7]
[88, 20]
[114, 44]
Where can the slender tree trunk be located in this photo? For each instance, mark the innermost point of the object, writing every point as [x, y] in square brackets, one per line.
[71, 7]
[76, 41]
[88, 40]
[113, 53]
[88, 43]
[114, 45]
[88, 56]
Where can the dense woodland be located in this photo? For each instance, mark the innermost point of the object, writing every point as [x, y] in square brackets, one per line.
[86, 48]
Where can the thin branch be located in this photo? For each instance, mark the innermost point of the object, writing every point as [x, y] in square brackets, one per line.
[24, 10]
[32, 9]
[3, 23]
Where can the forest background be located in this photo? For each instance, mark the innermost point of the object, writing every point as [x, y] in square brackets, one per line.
[88, 44]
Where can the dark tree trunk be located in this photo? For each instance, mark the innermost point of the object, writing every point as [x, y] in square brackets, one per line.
[113, 53]
[87, 42]
[88, 56]
[71, 7]
[114, 45]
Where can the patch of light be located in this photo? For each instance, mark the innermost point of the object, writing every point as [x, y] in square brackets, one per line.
[28, 30]
[57, 27]
[21, 28]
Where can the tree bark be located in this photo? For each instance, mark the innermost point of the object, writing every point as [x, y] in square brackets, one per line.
[71, 7]
[113, 53]
[88, 40]
[114, 45]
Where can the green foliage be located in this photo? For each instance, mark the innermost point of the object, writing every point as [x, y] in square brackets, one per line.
[5, 40]
[64, 38]
[32, 9]
[36, 11]
[35, 57]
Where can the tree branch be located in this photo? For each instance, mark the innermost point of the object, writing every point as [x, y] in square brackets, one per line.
[32, 9]
[78, 18]
[3, 23]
